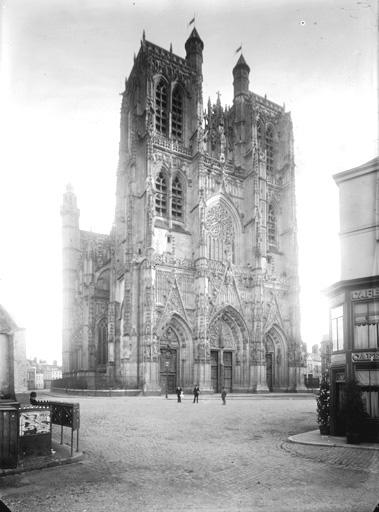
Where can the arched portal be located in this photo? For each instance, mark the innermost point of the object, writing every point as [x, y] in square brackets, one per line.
[176, 355]
[228, 345]
[276, 359]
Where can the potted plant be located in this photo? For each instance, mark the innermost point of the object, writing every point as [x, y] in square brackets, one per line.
[323, 406]
[353, 411]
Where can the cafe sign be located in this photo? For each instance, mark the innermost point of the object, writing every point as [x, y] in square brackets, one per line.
[364, 356]
[368, 293]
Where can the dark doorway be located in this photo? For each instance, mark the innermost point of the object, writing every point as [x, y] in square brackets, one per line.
[228, 370]
[269, 376]
[214, 370]
[168, 362]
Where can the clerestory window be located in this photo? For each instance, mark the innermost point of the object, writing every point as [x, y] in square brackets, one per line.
[161, 195]
[177, 199]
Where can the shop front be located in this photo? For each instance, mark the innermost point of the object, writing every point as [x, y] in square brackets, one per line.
[354, 326]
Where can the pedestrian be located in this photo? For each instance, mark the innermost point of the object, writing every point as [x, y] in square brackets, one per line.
[179, 393]
[223, 396]
[196, 393]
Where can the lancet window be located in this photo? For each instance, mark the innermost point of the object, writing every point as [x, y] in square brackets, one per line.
[161, 195]
[177, 114]
[270, 150]
[177, 199]
[259, 132]
[161, 107]
[271, 226]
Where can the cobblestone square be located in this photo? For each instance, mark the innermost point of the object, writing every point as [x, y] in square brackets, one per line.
[153, 454]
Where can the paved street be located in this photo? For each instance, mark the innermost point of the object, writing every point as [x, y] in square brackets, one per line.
[152, 454]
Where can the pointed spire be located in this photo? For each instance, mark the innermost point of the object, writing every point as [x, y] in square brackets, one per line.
[194, 51]
[241, 77]
[194, 36]
[143, 35]
[170, 47]
[241, 63]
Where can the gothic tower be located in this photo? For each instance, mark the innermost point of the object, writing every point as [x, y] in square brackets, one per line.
[197, 282]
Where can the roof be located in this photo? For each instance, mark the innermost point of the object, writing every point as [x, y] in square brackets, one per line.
[366, 168]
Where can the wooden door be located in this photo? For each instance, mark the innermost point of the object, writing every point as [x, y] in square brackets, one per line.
[168, 364]
[214, 370]
[228, 371]
[269, 375]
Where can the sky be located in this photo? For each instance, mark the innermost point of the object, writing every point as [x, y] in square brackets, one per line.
[63, 67]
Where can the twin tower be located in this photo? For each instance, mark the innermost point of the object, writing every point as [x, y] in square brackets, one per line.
[197, 282]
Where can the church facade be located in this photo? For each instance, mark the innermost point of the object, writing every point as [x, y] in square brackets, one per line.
[197, 282]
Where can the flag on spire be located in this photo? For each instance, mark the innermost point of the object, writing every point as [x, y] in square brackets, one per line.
[192, 21]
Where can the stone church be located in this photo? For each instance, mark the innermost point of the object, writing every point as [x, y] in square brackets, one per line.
[197, 283]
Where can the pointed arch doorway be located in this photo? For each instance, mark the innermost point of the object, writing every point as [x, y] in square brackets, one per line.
[168, 367]
[227, 335]
[175, 356]
[276, 360]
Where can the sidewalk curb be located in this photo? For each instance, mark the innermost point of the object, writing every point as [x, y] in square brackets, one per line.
[42, 465]
[292, 439]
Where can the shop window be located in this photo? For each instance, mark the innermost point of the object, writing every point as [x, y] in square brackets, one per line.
[177, 114]
[161, 195]
[161, 108]
[366, 325]
[337, 328]
[369, 381]
[177, 199]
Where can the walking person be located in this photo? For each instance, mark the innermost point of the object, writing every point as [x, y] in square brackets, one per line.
[223, 396]
[196, 393]
[179, 393]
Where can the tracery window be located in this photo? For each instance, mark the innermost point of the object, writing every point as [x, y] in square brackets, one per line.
[220, 239]
[271, 226]
[270, 150]
[102, 342]
[177, 199]
[161, 195]
[177, 114]
[161, 108]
